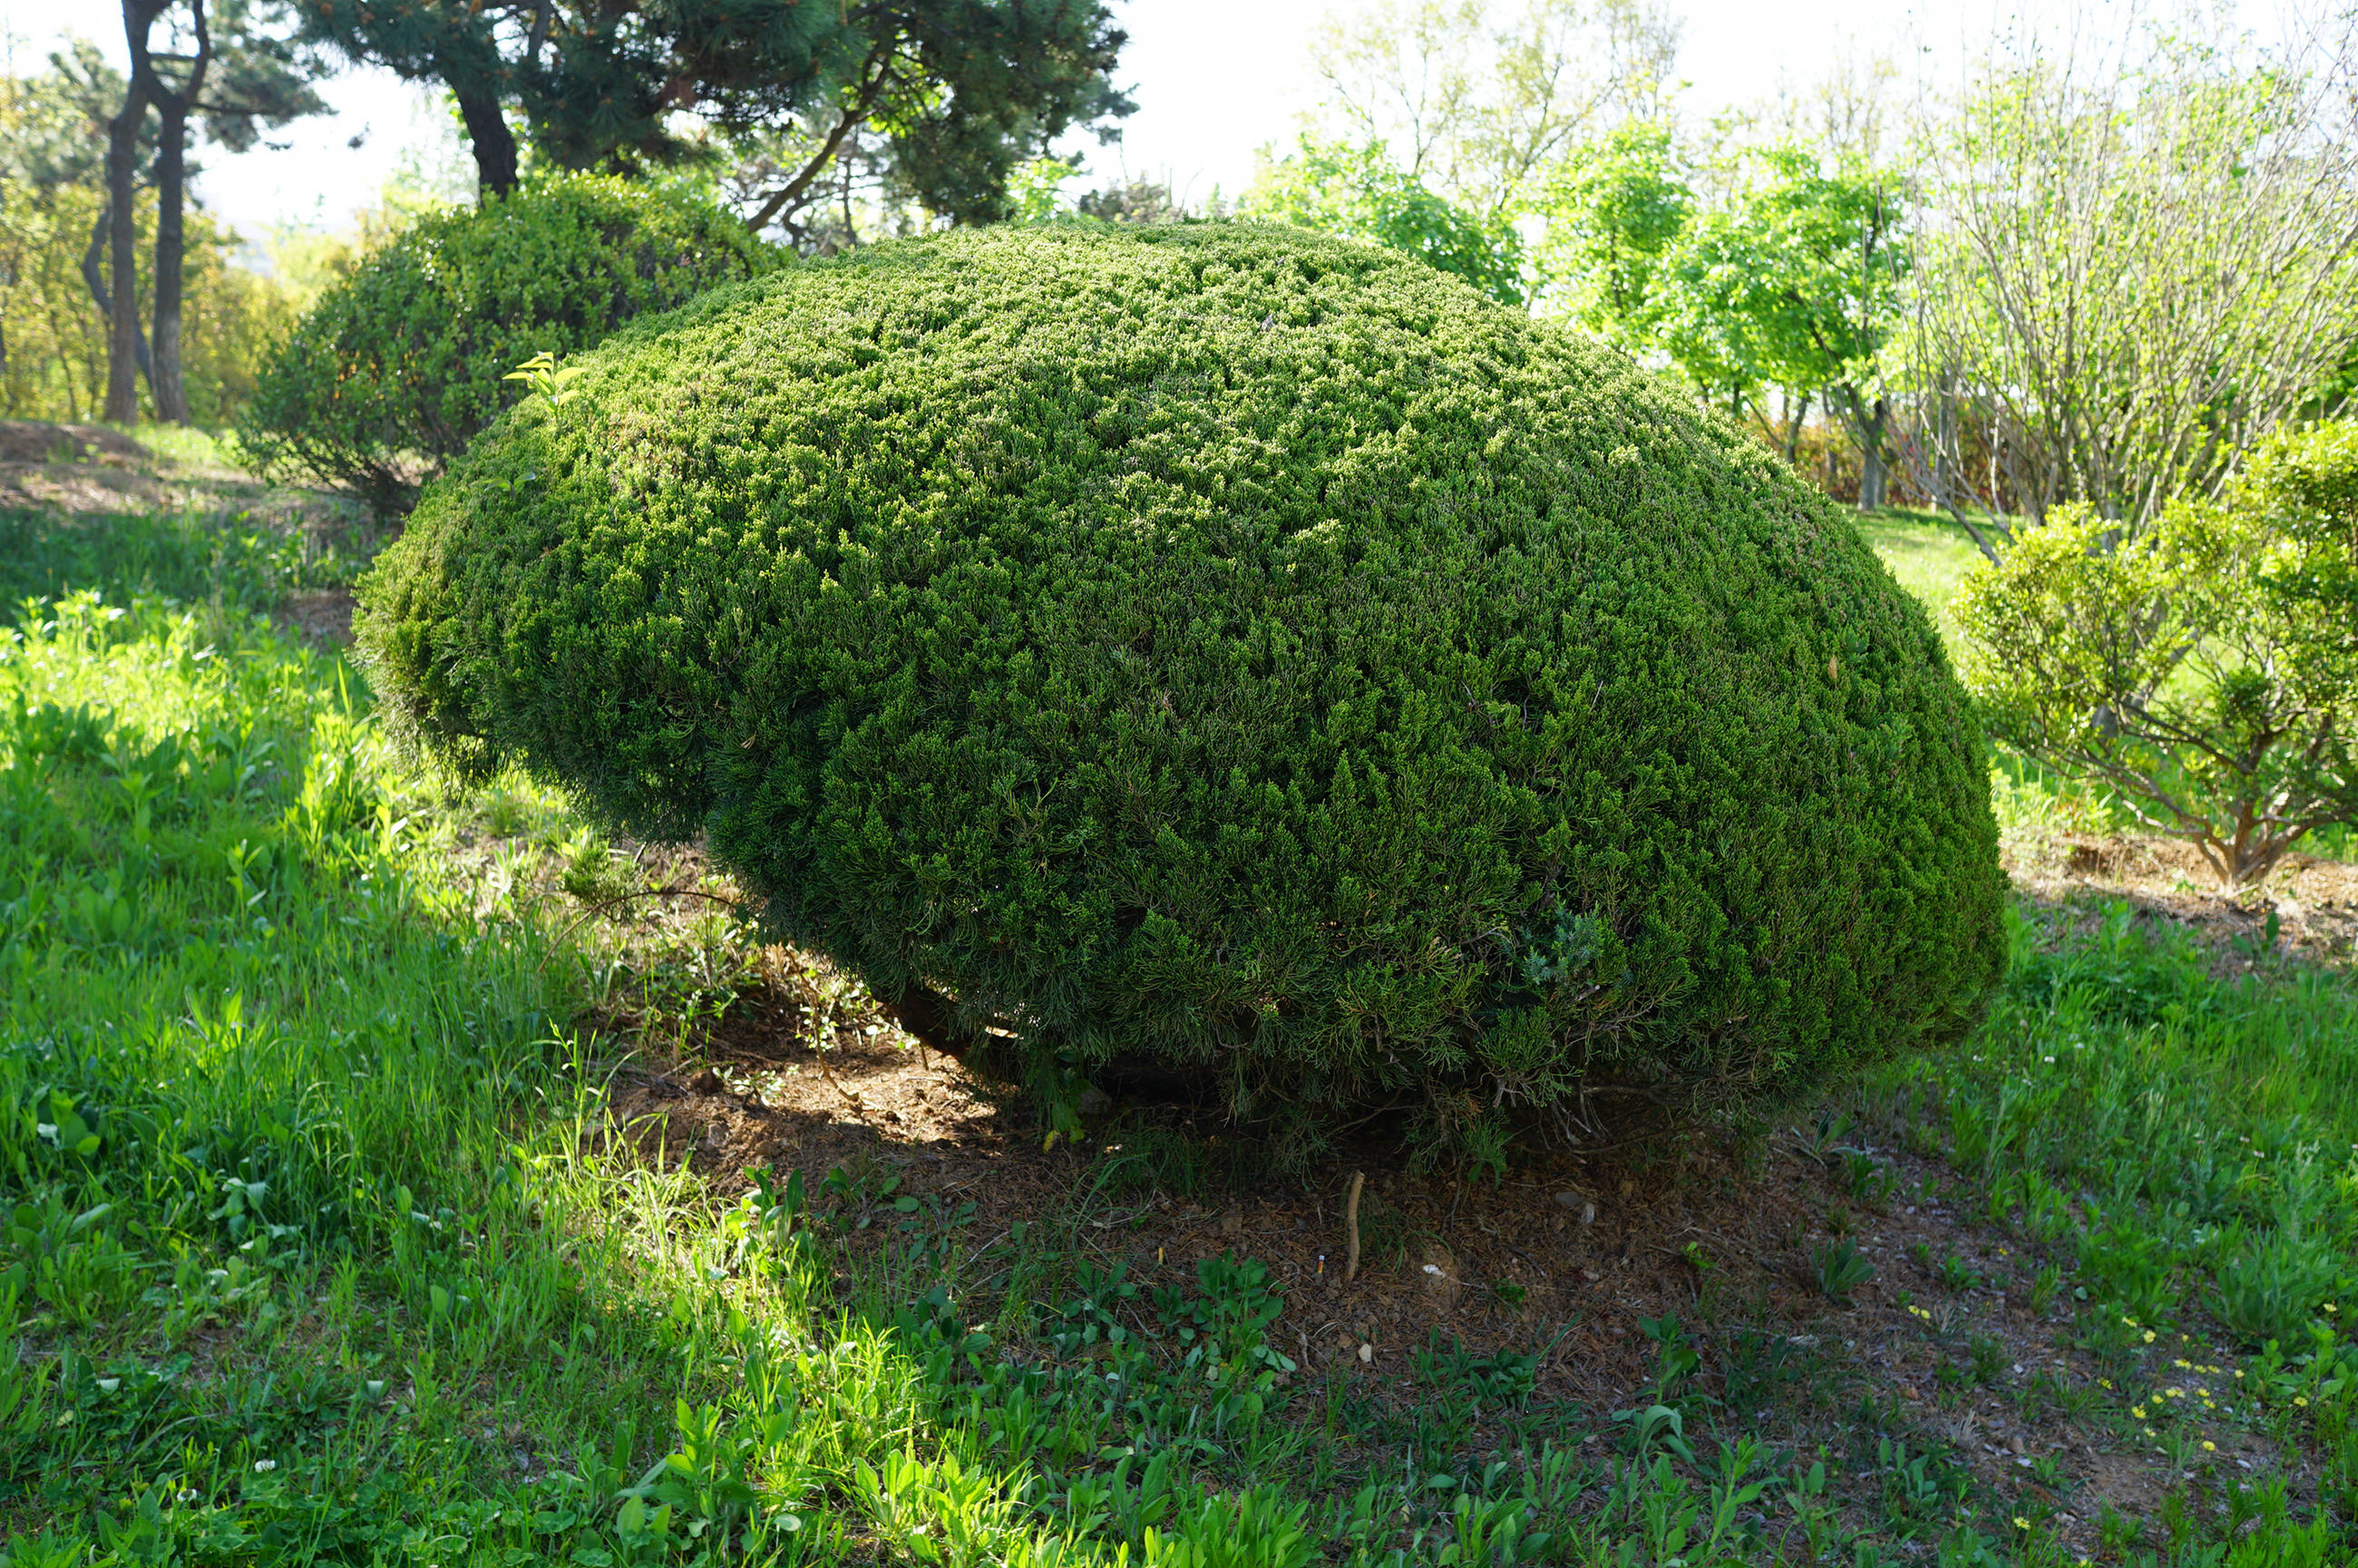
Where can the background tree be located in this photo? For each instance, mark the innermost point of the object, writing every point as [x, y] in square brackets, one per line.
[1785, 276]
[2134, 263]
[1613, 215]
[1360, 192]
[1477, 105]
[237, 75]
[934, 101]
[125, 347]
[56, 305]
[53, 142]
[1819, 265]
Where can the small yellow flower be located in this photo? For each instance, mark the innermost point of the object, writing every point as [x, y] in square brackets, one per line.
[2107, 1383]
[2209, 1447]
[2239, 1371]
[2021, 1522]
[2130, 1321]
[2149, 1432]
[2137, 1411]
[2301, 1403]
[2183, 1362]
[2149, 1336]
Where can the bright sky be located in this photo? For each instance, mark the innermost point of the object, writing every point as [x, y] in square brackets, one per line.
[1213, 81]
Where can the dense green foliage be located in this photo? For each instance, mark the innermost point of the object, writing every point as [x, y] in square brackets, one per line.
[1247, 651]
[940, 100]
[397, 367]
[2204, 668]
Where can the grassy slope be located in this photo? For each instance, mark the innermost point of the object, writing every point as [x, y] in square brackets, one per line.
[302, 1260]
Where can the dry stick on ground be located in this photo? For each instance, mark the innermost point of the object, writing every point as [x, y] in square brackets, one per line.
[596, 910]
[1351, 1227]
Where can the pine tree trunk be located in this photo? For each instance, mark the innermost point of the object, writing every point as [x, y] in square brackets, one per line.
[171, 247]
[494, 144]
[170, 387]
[123, 343]
[94, 276]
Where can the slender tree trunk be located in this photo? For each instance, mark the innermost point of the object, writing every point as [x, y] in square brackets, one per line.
[94, 276]
[1867, 426]
[171, 388]
[494, 144]
[171, 248]
[1794, 415]
[1873, 486]
[123, 344]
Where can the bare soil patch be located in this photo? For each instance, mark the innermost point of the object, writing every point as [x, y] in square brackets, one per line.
[2314, 900]
[1566, 1258]
[81, 470]
[322, 616]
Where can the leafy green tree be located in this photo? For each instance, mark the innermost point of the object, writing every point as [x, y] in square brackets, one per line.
[48, 151]
[1790, 279]
[1360, 193]
[1478, 102]
[1796, 281]
[1614, 211]
[947, 96]
[2204, 667]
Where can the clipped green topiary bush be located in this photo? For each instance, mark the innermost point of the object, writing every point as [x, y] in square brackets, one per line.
[398, 365]
[1236, 652]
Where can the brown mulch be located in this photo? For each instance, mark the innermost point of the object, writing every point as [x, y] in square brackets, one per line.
[2315, 901]
[324, 616]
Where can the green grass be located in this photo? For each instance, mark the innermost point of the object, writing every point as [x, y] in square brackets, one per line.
[186, 444]
[2182, 1149]
[1929, 554]
[304, 1256]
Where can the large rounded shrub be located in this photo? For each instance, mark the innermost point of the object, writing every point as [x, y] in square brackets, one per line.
[398, 365]
[1233, 651]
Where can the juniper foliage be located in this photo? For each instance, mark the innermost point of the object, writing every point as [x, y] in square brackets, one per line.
[1232, 650]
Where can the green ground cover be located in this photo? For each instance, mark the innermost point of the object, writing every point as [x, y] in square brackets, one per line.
[303, 1257]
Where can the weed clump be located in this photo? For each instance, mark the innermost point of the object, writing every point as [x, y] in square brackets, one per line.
[1231, 652]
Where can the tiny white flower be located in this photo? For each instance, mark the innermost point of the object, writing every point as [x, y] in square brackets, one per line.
[263, 1466]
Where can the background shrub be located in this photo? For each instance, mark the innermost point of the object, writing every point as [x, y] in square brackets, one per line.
[2203, 669]
[397, 367]
[1232, 650]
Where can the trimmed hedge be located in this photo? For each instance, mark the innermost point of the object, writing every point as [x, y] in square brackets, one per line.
[397, 366]
[1232, 650]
